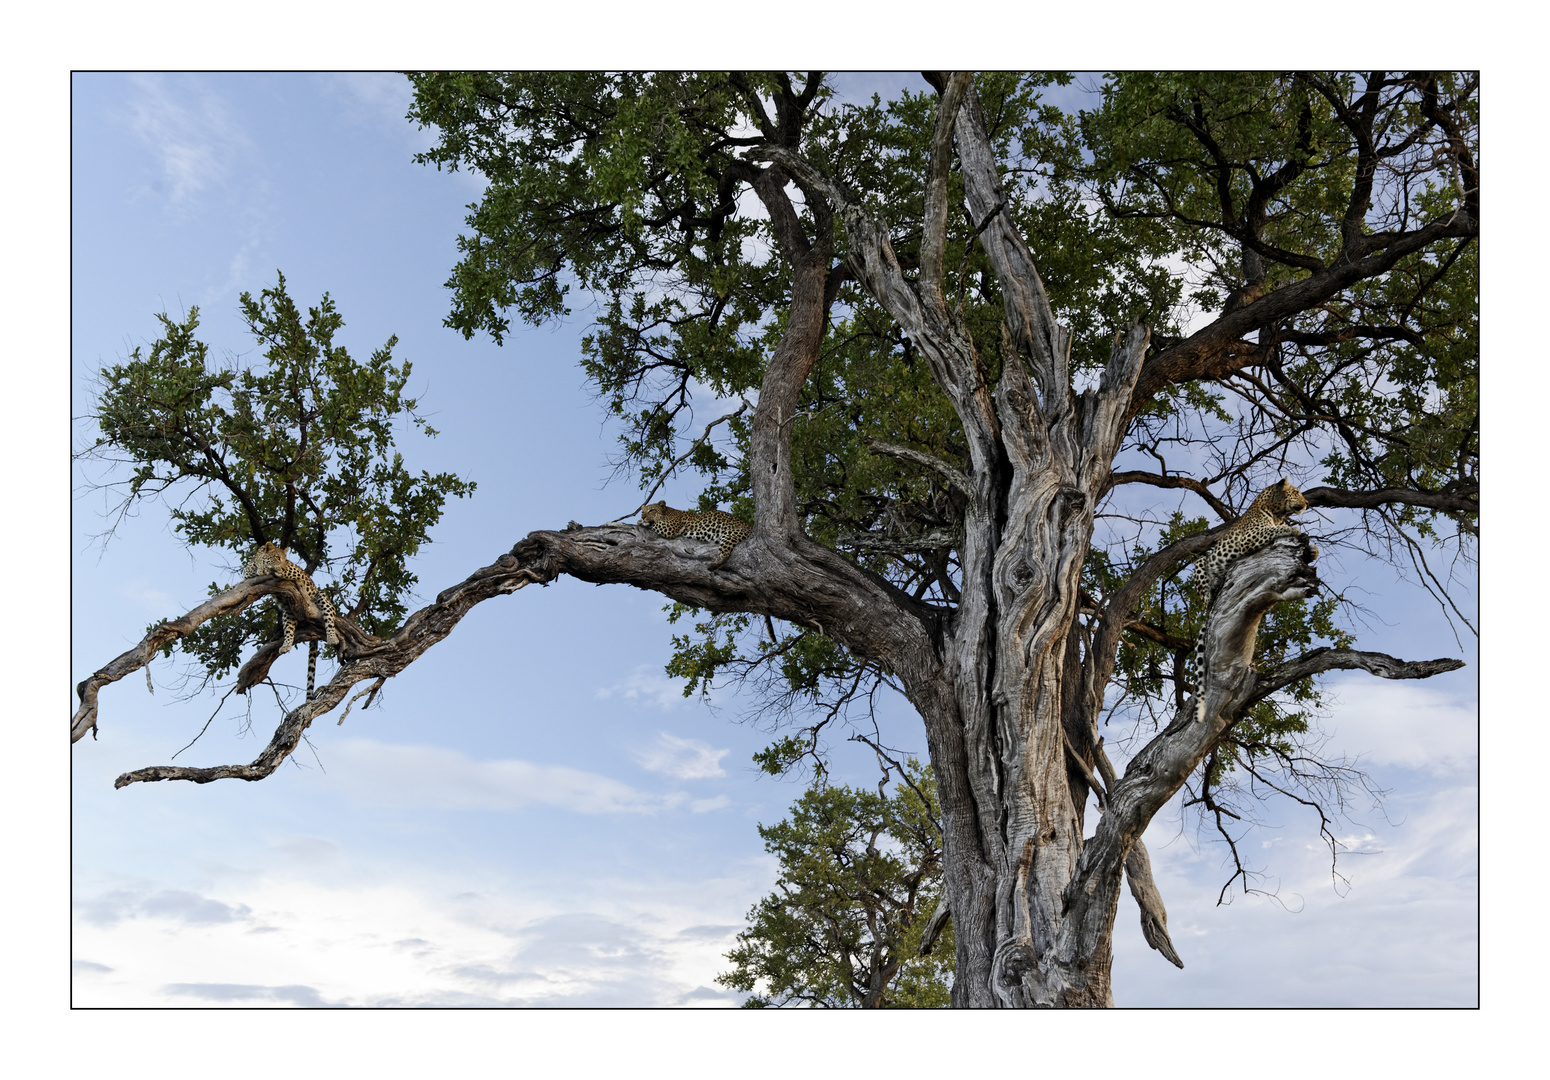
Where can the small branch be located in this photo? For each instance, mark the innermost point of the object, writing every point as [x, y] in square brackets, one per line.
[667, 472]
[954, 477]
[935, 926]
[903, 775]
[1223, 511]
[1087, 774]
[372, 690]
[1154, 917]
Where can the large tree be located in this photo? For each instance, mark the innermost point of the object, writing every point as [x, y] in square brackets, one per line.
[953, 462]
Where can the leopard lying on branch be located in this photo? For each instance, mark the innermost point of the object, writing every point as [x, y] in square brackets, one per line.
[716, 526]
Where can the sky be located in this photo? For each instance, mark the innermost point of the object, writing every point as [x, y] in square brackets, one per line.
[535, 815]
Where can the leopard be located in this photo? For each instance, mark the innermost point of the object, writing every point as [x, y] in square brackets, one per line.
[269, 559]
[717, 526]
[1268, 518]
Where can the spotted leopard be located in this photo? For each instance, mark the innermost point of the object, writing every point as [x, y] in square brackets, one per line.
[714, 525]
[269, 559]
[1266, 519]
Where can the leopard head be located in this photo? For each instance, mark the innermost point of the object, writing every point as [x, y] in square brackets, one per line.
[1284, 500]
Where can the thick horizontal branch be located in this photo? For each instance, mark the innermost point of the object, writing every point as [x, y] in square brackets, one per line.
[934, 540]
[803, 583]
[1462, 499]
[1319, 660]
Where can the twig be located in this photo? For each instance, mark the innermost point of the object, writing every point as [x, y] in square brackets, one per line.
[372, 690]
[684, 457]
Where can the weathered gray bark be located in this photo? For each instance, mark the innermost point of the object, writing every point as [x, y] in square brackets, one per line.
[1033, 908]
[1007, 687]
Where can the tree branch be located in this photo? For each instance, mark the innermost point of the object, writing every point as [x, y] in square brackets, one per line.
[1219, 349]
[1223, 511]
[816, 588]
[1038, 336]
[1464, 498]
[1154, 917]
[1317, 660]
[230, 602]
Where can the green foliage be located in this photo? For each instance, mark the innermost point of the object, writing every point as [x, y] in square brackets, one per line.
[860, 877]
[1232, 161]
[1178, 194]
[298, 449]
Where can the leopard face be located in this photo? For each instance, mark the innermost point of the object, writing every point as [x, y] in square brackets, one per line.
[715, 526]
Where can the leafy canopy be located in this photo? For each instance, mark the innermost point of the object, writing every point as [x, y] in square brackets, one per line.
[1176, 198]
[298, 449]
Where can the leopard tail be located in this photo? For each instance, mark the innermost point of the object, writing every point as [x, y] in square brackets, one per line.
[312, 668]
[1194, 672]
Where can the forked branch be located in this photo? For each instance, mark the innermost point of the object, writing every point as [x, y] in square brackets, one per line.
[1254, 584]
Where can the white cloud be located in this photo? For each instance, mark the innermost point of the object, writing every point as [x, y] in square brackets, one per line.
[646, 686]
[1404, 724]
[426, 941]
[140, 592]
[168, 905]
[429, 776]
[687, 759]
[1401, 932]
[379, 101]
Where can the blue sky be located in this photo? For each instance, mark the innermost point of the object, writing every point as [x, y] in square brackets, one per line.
[534, 814]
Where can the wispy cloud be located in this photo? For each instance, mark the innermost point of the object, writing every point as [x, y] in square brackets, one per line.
[646, 686]
[241, 994]
[341, 941]
[194, 137]
[1397, 723]
[687, 759]
[140, 592]
[404, 775]
[175, 905]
